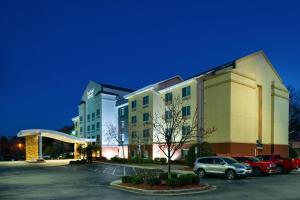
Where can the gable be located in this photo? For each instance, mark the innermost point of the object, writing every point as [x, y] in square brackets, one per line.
[90, 91]
[259, 67]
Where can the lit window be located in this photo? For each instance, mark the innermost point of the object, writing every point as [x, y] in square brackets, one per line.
[122, 124]
[122, 111]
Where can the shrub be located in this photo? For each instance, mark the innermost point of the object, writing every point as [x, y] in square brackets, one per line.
[118, 159]
[137, 179]
[127, 179]
[172, 182]
[164, 176]
[204, 149]
[188, 179]
[101, 158]
[161, 161]
[153, 181]
[292, 153]
[179, 162]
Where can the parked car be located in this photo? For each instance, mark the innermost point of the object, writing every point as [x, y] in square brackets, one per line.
[283, 165]
[225, 166]
[258, 167]
[296, 163]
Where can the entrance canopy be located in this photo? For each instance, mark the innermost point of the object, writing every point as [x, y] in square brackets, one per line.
[55, 135]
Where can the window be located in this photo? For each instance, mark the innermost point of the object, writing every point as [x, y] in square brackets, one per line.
[186, 111]
[186, 130]
[186, 91]
[122, 111]
[80, 129]
[168, 97]
[93, 116]
[98, 125]
[146, 117]
[93, 127]
[146, 133]
[133, 104]
[88, 117]
[122, 123]
[145, 100]
[133, 119]
[98, 112]
[81, 119]
[98, 138]
[133, 134]
[88, 128]
[168, 115]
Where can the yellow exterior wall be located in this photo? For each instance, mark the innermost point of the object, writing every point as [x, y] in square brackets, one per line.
[191, 101]
[217, 107]
[259, 67]
[139, 111]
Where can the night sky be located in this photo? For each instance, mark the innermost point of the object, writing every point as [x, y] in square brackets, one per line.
[49, 50]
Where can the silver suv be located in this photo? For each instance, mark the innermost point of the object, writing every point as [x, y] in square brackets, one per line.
[227, 166]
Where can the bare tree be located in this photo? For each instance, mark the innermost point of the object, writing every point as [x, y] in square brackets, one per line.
[115, 136]
[175, 127]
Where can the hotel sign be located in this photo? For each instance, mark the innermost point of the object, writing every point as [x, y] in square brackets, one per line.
[90, 93]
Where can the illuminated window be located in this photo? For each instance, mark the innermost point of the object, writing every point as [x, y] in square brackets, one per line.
[186, 91]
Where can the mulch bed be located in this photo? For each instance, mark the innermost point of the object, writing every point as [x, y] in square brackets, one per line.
[162, 187]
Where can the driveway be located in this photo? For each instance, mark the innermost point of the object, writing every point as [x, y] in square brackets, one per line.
[92, 182]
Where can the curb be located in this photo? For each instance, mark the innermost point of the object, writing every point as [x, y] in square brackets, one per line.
[206, 188]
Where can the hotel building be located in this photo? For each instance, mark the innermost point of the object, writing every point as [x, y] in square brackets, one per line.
[246, 100]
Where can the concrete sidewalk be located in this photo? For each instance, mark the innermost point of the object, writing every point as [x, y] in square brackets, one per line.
[174, 168]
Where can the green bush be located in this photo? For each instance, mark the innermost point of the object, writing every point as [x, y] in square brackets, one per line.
[194, 179]
[137, 180]
[184, 179]
[118, 159]
[173, 182]
[161, 161]
[164, 176]
[204, 149]
[293, 153]
[127, 179]
[153, 181]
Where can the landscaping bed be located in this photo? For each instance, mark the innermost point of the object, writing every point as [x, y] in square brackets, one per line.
[162, 187]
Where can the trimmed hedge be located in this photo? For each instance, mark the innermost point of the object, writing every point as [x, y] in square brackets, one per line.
[164, 176]
[173, 182]
[153, 181]
[119, 160]
[76, 162]
[126, 179]
[137, 180]
[188, 179]
[161, 161]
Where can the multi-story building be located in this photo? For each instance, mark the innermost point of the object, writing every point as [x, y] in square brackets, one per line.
[96, 110]
[245, 100]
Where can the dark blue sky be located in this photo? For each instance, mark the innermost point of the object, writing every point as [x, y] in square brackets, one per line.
[49, 50]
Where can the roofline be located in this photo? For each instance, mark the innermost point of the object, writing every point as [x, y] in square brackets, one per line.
[115, 87]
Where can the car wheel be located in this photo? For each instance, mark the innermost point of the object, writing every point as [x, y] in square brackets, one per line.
[230, 174]
[279, 169]
[257, 172]
[201, 173]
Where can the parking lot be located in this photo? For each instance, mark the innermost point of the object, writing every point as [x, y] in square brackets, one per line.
[92, 182]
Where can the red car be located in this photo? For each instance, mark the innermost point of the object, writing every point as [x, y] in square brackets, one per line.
[258, 167]
[296, 163]
[283, 165]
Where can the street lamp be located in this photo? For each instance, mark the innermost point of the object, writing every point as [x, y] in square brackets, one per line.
[20, 145]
